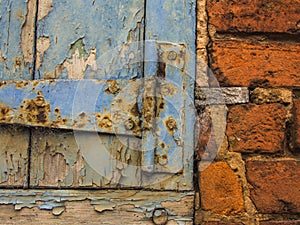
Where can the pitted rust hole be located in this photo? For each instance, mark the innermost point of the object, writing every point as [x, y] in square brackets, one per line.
[36, 110]
[3, 84]
[171, 124]
[56, 110]
[104, 120]
[22, 84]
[113, 87]
[4, 113]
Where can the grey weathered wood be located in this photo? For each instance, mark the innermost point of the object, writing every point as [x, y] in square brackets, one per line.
[14, 142]
[95, 207]
[16, 62]
[83, 159]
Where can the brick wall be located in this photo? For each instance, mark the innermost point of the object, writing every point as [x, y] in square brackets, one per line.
[254, 178]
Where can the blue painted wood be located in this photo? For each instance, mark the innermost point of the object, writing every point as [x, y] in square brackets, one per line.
[91, 39]
[89, 105]
[172, 24]
[16, 48]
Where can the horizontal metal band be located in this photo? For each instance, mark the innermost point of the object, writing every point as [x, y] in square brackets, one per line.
[88, 105]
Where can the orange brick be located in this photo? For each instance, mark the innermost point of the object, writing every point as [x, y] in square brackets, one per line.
[297, 123]
[256, 128]
[221, 190]
[255, 16]
[274, 185]
[253, 63]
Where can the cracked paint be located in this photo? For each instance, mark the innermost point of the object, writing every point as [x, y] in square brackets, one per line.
[109, 51]
[128, 203]
[16, 39]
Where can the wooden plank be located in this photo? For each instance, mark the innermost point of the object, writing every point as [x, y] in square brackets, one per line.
[14, 142]
[17, 39]
[95, 207]
[16, 62]
[102, 41]
[172, 25]
[83, 159]
[90, 105]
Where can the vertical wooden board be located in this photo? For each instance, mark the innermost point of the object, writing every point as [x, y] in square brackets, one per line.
[96, 207]
[17, 19]
[172, 23]
[83, 159]
[14, 143]
[90, 39]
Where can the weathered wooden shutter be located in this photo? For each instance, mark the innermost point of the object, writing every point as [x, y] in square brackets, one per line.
[114, 82]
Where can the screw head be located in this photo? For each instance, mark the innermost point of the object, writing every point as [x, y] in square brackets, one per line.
[129, 124]
[160, 216]
[172, 55]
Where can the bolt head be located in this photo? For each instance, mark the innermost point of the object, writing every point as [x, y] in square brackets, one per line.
[160, 216]
[172, 55]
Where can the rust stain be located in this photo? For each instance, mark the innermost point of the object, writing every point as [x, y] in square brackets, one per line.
[27, 33]
[171, 124]
[36, 110]
[149, 104]
[113, 87]
[1, 57]
[104, 120]
[5, 113]
[3, 84]
[135, 110]
[59, 121]
[21, 84]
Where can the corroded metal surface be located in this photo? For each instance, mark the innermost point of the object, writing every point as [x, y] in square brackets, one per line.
[172, 24]
[90, 105]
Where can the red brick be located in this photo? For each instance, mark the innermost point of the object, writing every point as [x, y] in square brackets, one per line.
[253, 63]
[221, 190]
[297, 123]
[256, 128]
[292, 222]
[220, 223]
[274, 185]
[254, 15]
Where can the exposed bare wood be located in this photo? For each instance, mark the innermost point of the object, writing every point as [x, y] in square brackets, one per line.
[65, 159]
[96, 207]
[14, 143]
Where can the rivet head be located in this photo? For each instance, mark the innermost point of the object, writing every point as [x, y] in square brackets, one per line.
[160, 216]
[172, 55]
[129, 124]
[163, 160]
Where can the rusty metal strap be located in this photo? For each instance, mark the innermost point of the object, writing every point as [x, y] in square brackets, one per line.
[89, 105]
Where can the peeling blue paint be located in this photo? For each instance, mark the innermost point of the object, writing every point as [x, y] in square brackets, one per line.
[103, 26]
